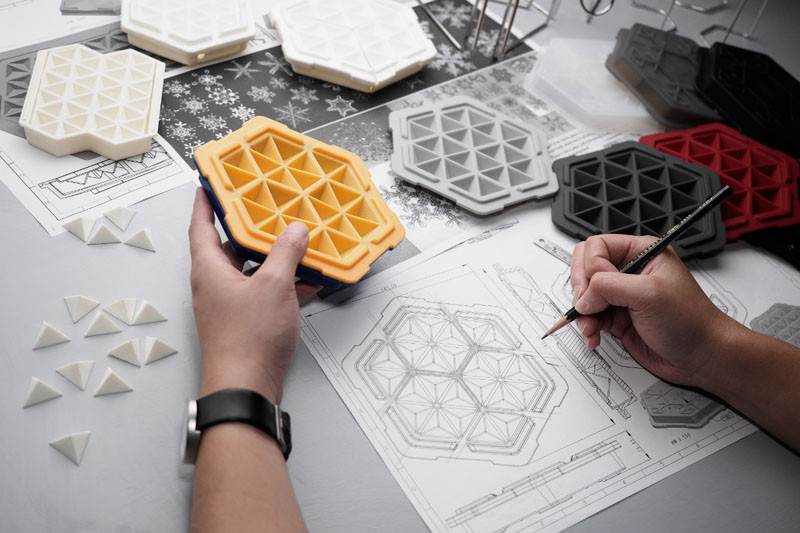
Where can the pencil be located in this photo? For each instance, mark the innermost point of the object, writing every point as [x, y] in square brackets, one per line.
[656, 248]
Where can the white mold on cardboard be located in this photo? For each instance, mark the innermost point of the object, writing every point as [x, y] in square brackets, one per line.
[79, 99]
[101, 325]
[147, 314]
[120, 216]
[362, 44]
[156, 349]
[103, 235]
[467, 152]
[601, 104]
[81, 227]
[38, 392]
[79, 306]
[128, 352]
[77, 373]
[189, 31]
[123, 310]
[48, 336]
[72, 446]
[142, 239]
[112, 384]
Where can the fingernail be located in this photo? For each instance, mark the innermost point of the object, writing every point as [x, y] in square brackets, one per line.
[297, 228]
[576, 293]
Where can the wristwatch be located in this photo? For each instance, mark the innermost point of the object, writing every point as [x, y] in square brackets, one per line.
[235, 405]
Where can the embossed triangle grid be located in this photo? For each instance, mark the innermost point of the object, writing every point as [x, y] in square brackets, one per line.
[781, 321]
[362, 44]
[634, 189]
[672, 406]
[471, 154]
[764, 181]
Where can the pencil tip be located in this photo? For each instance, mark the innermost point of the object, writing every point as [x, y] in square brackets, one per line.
[544, 336]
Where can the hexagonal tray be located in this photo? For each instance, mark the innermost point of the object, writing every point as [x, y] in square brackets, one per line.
[781, 321]
[603, 105]
[471, 154]
[362, 44]
[633, 188]
[79, 99]
[764, 181]
[671, 406]
[264, 176]
[660, 68]
[189, 31]
[754, 93]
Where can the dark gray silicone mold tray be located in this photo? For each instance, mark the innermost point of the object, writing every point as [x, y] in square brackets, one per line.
[661, 69]
[471, 154]
[635, 189]
[781, 321]
[670, 406]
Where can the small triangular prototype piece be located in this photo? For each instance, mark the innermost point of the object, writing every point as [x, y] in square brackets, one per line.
[120, 216]
[79, 306]
[80, 227]
[101, 325]
[39, 392]
[48, 336]
[147, 314]
[112, 384]
[128, 352]
[142, 239]
[156, 349]
[103, 235]
[72, 446]
[77, 373]
[122, 309]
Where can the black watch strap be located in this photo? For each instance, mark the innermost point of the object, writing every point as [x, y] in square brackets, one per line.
[248, 407]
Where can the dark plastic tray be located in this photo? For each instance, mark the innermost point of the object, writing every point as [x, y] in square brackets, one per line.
[635, 189]
[661, 69]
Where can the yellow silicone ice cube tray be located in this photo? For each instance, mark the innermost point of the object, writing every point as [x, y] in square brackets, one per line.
[264, 176]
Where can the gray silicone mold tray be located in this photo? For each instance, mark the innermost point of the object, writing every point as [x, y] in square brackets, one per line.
[669, 406]
[635, 189]
[781, 321]
[661, 69]
[471, 154]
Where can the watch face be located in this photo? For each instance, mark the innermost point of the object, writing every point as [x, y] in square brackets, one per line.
[191, 437]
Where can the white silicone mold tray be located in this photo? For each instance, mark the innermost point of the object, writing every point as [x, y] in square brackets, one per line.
[189, 31]
[79, 99]
[471, 154]
[362, 44]
[604, 104]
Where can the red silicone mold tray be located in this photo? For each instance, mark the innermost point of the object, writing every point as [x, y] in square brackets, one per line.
[764, 181]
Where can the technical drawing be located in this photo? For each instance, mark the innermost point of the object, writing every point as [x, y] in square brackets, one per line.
[670, 406]
[456, 381]
[597, 372]
[781, 321]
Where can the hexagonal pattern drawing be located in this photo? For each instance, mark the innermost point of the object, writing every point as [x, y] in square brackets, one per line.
[79, 99]
[633, 188]
[362, 44]
[189, 31]
[465, 151]
[456, 381]
[781, 321]
[265, 176]
[670, 406]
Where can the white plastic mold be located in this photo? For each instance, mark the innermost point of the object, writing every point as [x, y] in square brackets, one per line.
[123, 309]
[77, 373]
[142, 239]
[112, 383]
[79, 306]
[48, 336]
[362, 44]
[38, 392]
[128, 352]
[120, 216]
[471, 154]
[189, 31]
[81, 227]
[148, 313]
[79, 99]
[156, 349]
[101, 325]
[72, 446]
[601, 104]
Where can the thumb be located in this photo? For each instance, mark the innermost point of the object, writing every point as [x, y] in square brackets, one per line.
[613, 288]
[286, 253]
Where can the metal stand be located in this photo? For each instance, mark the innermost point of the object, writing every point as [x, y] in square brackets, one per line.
[667, 24]
[729, 28]
[502, 46]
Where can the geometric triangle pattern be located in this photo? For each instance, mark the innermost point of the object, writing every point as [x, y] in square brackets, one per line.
[265, 176]
[362, 44]
[467, 152]
[72, 446]
[634, 189]
[77, 373]
[122, 309]
[101, 325]
[79, 306]
[48, 336]
[670, 406]
[112, 383]
[128, 352]
[781, 321]
[79, 99]
[147, 314]
[103, 235]
[38, 392]
[142, 239]
[156, 349]
[120, 216]
[764, 181]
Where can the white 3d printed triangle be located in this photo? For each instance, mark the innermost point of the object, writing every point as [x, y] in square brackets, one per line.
[142, 239]
[103, 235]
[79, 99]
[128, 352]
[101, 325]
[147, 314]
[48, 336]
[79, 306]
[39, 392]
[80, 227]
[122, 309]
[156, 349]
[72, 446]
[120, 216]
[112, 384]
[77, 373]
